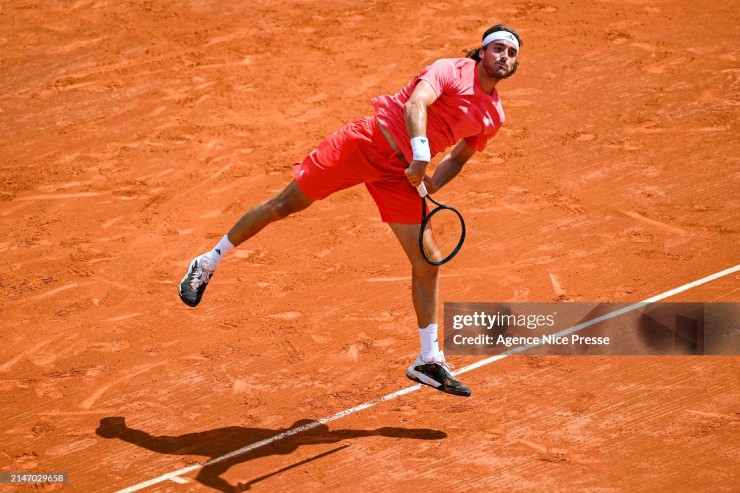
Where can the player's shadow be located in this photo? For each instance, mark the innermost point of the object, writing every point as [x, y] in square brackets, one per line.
[222, 441]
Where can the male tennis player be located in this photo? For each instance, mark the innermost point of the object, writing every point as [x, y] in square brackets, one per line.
[451, 102]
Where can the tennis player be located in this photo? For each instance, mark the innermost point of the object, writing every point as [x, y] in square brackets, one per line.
[452, 102]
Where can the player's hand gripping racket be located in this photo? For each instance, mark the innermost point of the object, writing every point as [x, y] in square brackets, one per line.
[442, 230]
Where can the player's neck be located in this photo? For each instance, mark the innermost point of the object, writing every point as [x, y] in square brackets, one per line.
[486, 82]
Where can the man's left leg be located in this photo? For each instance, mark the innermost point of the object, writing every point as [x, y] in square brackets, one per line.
[430, 367]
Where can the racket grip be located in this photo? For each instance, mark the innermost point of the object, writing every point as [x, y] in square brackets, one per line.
[422, 189]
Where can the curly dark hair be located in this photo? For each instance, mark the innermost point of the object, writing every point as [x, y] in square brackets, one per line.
[475, 53]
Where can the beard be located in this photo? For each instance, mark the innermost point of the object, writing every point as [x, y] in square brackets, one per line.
[499, 72]
[496, 71]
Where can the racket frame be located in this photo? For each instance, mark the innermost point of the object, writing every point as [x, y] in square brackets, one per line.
[425, 218]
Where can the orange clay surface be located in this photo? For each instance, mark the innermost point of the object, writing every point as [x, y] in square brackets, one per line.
[134, 134]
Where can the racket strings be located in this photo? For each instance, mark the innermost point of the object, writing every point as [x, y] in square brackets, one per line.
[443, 233]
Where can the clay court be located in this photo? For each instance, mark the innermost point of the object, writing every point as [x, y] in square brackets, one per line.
[135, 134]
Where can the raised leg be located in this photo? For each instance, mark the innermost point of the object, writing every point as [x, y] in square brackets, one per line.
[289, 201]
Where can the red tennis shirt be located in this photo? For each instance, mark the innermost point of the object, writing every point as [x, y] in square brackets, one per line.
[463, 109]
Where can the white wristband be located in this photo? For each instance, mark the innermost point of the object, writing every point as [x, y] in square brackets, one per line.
[420, 149]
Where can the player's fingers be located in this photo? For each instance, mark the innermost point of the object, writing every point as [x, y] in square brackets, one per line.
[414, 180]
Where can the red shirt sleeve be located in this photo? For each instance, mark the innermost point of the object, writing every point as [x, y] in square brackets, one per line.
[441, 75]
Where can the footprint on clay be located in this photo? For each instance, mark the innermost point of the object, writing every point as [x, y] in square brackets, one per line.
[625, 145]
[48, 390]
[407, 410]
[663, 66]
[577, 136]
[317, 98]
[27, 460]
[286, 315]
[618, 36]
[110, 347]
[71, 448]
[520, 294]
[321, 338]
[210, 214]
[534, 8]
[708, 97]
[352, 353]
[43, 357]
[567, 203]
[645, 46]
[125, 316]
[389, 342]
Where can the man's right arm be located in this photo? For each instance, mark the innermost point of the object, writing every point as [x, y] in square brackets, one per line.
[415, 113]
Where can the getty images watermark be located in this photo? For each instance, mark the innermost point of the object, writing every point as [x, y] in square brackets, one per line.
[592, 328]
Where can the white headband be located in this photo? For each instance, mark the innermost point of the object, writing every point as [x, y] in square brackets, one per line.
[498, 35]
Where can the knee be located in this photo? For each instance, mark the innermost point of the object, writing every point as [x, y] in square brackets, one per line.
[424, 271]
[279, 208]
[289, 201]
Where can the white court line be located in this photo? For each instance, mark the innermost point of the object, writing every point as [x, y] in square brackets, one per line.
[173, 475]
[616, 313]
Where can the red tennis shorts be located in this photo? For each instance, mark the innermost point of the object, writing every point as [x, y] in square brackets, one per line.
[359, 153]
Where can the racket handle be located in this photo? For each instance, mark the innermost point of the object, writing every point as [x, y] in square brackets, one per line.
[422, 189]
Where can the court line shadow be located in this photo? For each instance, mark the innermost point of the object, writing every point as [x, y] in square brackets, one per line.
[222, 441]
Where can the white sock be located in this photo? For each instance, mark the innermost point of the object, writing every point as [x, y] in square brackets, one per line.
[220, 250]
[429, 342]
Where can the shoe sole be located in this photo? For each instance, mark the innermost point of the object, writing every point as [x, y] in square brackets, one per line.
[179, 288]
[193, 305]
[419, 377]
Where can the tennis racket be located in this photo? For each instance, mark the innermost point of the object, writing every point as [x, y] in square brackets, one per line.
[442, 230]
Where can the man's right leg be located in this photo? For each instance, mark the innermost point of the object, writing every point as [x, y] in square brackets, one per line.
[289, 201]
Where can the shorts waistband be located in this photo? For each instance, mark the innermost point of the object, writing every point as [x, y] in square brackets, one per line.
[392, 143]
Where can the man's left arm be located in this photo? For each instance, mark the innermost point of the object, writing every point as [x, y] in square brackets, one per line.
[449, 167]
